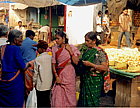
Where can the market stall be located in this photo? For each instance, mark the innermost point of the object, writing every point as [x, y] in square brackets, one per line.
[124, 65]
[127, 91]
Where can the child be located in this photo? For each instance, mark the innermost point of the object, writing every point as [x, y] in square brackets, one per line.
[43, 75]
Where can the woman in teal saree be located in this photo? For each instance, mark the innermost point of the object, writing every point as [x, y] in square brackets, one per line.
[95, 75]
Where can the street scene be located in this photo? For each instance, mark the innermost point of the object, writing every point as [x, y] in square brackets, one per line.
[69, 53]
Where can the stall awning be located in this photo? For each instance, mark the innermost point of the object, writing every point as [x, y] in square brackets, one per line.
[6, 2]
[44, 3]
[18, 6]
[80, 2]
[36, 3]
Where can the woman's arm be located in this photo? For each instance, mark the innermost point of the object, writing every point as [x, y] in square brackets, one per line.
[102, 67]
[58, 80]
[54, 70]
[102, 58]
[75, 59]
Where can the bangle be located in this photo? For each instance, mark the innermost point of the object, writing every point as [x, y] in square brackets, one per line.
[72, 54]
[55, 73]
[95, 66]
[56, 76]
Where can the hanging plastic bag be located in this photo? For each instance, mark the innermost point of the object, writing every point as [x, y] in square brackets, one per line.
[32, 99]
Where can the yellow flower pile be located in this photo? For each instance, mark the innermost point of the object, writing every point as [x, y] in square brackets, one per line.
[127, 57]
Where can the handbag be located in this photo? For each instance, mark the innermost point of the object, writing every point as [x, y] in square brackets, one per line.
[29, 77]
[32, 99]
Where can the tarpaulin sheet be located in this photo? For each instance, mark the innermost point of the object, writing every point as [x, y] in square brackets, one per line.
[6, 2]
[80, 2]
[45, 3]
[123, 73]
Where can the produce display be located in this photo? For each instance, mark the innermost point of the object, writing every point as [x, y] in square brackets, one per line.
[126, 58]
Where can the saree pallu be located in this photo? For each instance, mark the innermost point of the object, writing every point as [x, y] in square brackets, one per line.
[90, 90]
[12, 92]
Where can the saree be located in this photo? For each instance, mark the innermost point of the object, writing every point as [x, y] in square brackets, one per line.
[64, 94]
[92, 81]
[12, 92]
[11, 83]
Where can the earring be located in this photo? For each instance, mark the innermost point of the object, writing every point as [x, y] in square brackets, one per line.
[64, 41]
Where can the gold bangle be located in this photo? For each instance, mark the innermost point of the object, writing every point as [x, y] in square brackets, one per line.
[56, 76]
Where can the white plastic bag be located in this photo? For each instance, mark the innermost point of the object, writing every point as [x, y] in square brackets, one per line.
[32, 99]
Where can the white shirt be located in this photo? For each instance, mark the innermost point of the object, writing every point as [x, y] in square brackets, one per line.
[22, 29]
[98, 27]
[43, 72]
[3, 41]
[106, 22]
[44, 29]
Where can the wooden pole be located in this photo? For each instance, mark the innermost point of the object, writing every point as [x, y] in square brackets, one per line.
[50, 24]
[65, 12]
[38, 11]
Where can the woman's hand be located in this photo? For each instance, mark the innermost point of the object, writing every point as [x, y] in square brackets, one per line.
[58, 80]
[68, 48]
[87, 63]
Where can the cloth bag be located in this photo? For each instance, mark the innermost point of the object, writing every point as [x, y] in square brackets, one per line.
[29, 77]
[32, 99]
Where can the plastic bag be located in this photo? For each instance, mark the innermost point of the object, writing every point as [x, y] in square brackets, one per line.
[32, 99]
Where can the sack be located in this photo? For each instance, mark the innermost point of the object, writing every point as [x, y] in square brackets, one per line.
[32, 99]
[29, 77]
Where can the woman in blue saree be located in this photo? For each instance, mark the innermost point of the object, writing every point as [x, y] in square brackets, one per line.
[12, 80]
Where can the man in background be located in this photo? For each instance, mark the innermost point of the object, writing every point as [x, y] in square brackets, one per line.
[99, 28]
[20, 28]
[3, 34]
[124, 28]
[44, 33]
[30, 24]
[3, 40]
[29, 51]
[106, 27]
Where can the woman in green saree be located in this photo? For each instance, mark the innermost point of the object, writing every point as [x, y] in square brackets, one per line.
[95, 74]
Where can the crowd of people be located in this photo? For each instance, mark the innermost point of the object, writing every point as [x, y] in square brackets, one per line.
[54, 76]
[43, 31]
[104, 31]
